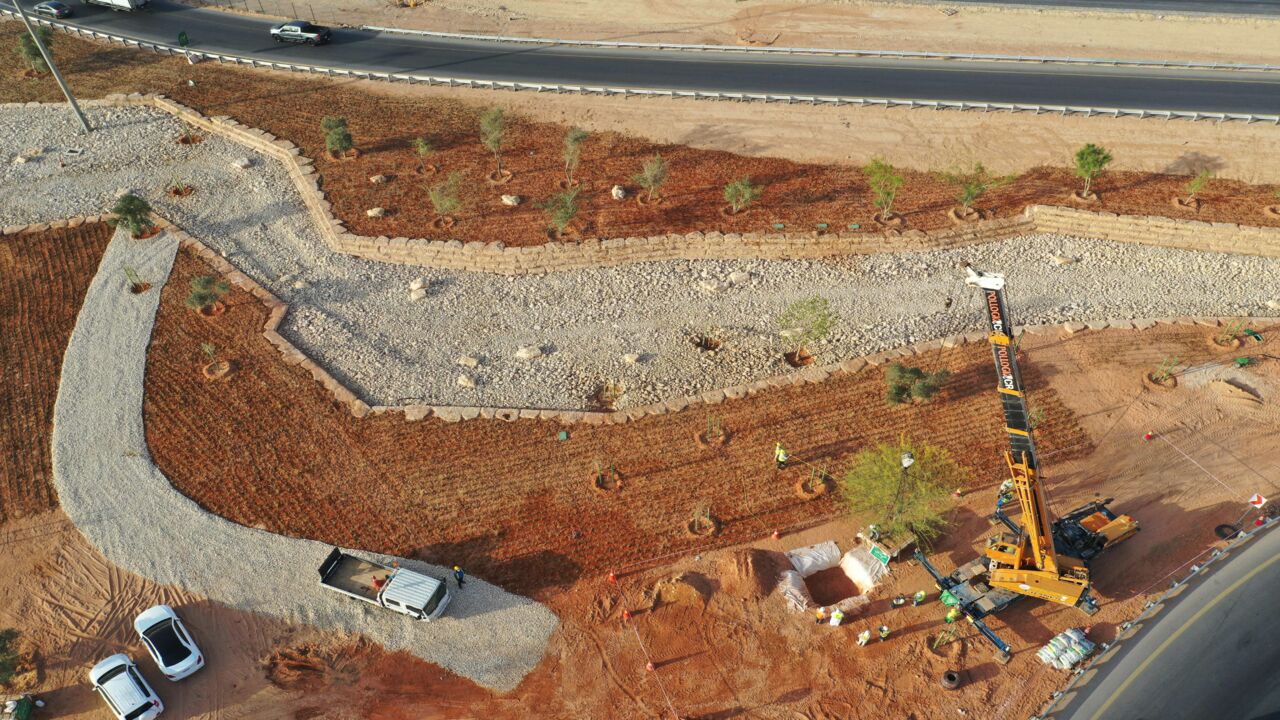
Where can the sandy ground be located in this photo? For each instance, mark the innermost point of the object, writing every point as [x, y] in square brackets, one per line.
[863, 25]
[919, 139]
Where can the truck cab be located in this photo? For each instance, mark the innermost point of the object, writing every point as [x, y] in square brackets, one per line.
[419, 596]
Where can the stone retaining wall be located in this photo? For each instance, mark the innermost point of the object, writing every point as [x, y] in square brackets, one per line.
[552, 257]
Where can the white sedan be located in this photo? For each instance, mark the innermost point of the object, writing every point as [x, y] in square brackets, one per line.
[168, 642]
[120, 684]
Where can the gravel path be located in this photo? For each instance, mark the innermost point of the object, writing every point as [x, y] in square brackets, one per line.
[354, 316]
[109, 487]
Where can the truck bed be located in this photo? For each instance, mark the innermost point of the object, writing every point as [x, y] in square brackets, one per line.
[355, 576]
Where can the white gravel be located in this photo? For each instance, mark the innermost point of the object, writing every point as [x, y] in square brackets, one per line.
[356, 318]
[109, 487]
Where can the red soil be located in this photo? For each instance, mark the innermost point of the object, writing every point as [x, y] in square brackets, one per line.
[268, 447]
[43, 279]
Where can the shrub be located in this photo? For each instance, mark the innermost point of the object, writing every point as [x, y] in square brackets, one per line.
[1198, 183]
[572, 152]
[740, 193]
[329, 123]
[910, 383]
[652, 175]
[1091, 160]
[973, 183]
[897, 500]
[561, 208]
[30, 52]
[205, 291]
[424, 149]
[885, 182]
[8, 655]
[493, 133]
[338, 140]
[444, 195]
[132, 213]
[807, 321]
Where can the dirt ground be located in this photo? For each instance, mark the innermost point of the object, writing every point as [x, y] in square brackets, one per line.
[865, 25]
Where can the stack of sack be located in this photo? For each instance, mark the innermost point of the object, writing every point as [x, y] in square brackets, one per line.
[1066, 649]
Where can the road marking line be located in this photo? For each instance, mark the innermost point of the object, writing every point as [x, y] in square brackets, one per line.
[1169, 641]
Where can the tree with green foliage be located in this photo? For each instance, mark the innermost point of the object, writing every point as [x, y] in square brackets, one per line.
[337, 138]
[652, 175]
[1198, 183]
[205, 291]
[572, 152]
[8, 655]
[902, 500]
[562, 208]
[30, 52]
[444, 195]
[807, 321]
[1091, 160]
[885, 181]
[740, 193]
[493, 133]
[132, 213]
[423, 148]
[973, 183]
[911, 383]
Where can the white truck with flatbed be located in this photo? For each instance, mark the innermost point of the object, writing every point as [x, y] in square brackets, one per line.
[122, 5]
[419, 596]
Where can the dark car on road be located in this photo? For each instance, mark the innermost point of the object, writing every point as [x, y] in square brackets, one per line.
[53, 9]
[301, 31]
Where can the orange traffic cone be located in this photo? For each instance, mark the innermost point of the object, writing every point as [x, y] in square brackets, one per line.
[613, 578]
[777, 535]
[650, 666]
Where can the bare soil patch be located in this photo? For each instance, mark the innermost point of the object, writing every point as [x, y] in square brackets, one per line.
[830, 586]
[43, 279]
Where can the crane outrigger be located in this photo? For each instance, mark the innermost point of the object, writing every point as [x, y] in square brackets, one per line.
[1042, 557]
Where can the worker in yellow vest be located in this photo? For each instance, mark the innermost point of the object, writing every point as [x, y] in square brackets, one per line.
[780, 456]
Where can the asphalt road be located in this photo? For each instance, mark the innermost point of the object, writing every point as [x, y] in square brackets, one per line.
[1214, 653]
[1215, 7]
[1086, 86]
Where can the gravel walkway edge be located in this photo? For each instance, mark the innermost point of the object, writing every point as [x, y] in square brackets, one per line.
[126, 507]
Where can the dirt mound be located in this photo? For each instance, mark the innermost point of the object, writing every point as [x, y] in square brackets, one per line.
[752, 573]
[311, 667]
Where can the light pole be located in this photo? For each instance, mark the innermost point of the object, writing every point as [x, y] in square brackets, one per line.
[48, 60]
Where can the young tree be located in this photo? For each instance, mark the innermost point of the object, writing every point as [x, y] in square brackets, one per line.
[132, 213]
[885, 182]
[424, 149]
[652, 175]
[972, 183]
[1198, 183]
[907, 383]
[1091, 160]
[572, 152]
[8, 655]
[740, 193]
[337, 138]
[493, 132]
[561, 208]
[807, 321]
[900, 500]
[444, 196]
[205, 291]
[30, 52]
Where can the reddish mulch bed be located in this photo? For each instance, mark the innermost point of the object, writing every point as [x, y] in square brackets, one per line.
[43, 280]
[269, 447]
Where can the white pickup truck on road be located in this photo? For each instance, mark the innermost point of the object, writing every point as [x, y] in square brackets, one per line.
[126, 5]
[419, 596]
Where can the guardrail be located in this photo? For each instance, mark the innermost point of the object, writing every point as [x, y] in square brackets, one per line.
[1129, 629]
[190, 54]
[836, 52]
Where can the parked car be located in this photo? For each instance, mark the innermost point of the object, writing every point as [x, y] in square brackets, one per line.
[168, 642]
[53, 9]
[120, 684]
[301, 31]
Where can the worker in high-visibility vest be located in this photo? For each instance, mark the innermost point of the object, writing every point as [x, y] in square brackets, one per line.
[884, 632]
[837, 617]
[821, 614]
[953, 615]
[780, 455]
[918, 597]
[864, 637]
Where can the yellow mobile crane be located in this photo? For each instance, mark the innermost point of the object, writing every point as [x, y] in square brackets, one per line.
[1043, 558]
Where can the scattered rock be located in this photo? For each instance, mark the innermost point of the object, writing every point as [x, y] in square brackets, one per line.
[631, 358]
[375, 212]
[739, 277]
[243, 163]
[529, 352]
[416, 295]
[418, 284]
[618, 193]
[33, 152]
[299, 284]
[378, 179]
[511, 200]
[1061, 260]
[469, 361]
[465, 381]
[20, 160]
[1273, 304]
[711, 286]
